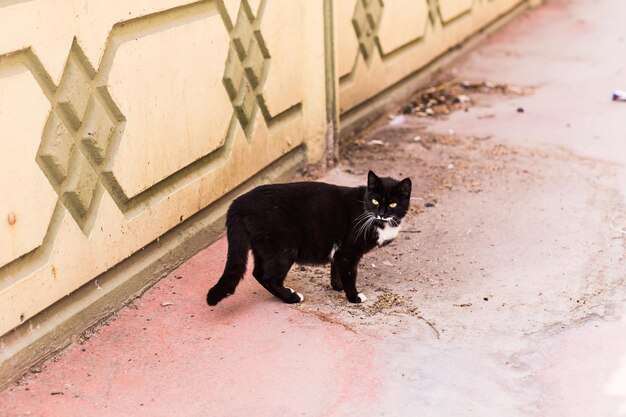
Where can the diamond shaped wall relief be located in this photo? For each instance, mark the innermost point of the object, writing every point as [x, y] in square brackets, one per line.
[433, 11]
[366, 21]
[79, 138]
[246, 68]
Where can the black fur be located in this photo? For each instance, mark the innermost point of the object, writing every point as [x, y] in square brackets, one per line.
[302, 222]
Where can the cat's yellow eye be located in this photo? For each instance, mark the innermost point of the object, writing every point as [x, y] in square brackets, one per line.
[393, 205]
[374, 201]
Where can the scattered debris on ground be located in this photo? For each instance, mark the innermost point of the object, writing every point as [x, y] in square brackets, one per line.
[454, 95]
[451, 139]
[386, 302]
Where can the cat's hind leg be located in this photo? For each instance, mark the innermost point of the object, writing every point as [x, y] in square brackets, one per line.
[259, 272]
[274, 274]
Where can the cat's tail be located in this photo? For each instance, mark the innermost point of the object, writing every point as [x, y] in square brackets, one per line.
[236, 262]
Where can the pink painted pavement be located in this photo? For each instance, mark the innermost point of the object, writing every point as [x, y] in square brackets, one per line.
[249, 356]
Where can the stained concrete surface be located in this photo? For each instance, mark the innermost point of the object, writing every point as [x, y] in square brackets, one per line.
[505, 297]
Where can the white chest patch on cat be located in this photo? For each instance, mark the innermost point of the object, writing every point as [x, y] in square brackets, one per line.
[332, 252]
[387, 233]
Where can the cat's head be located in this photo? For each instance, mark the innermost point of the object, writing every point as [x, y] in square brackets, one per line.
[387, 199]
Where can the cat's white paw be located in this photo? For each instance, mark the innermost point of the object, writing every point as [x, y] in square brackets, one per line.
[297, 293]
[362, 298]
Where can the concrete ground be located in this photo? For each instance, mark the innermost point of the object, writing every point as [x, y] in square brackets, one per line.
[503, 296]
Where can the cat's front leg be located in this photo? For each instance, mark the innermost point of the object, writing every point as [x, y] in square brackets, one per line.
[347, 270]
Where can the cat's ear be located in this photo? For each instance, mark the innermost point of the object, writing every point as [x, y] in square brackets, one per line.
[404, 187]
[372, 180]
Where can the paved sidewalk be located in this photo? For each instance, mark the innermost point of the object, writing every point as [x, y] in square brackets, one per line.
[503, 296]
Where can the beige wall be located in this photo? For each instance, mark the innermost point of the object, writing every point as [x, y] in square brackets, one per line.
[121, 119]
[398, 37]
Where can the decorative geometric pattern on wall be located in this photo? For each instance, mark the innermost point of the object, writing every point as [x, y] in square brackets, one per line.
[80, 135]
[80, 153]
[367, 15]
[85, 126]
[433, 11]
[246, 67]
[366, 21]
[83, 132]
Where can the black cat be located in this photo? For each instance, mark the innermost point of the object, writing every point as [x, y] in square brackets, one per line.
[310, 223]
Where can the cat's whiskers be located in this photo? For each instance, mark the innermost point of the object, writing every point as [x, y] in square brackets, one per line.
[360, 226]
[361, 218]
[361, 229]
[360, 222]
[365, 227]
